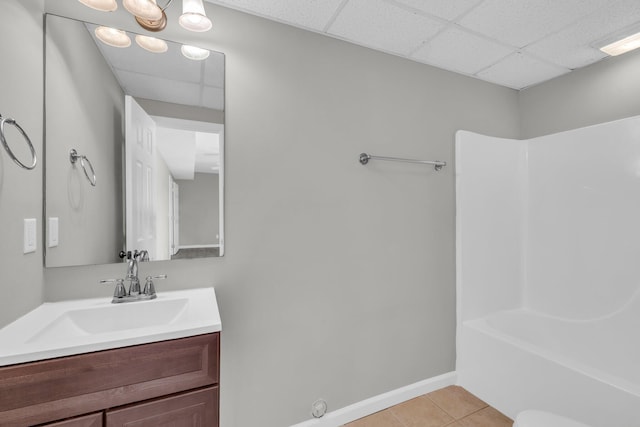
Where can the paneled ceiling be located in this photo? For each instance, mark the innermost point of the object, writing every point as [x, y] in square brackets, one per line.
[169, 77]
[513, 43]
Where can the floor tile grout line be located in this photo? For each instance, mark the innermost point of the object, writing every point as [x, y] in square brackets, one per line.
[441, 408]
[474, 412]
[393, 414]
[454, 421]
[453, 416]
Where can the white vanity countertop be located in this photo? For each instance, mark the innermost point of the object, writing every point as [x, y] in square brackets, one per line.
[81, 326]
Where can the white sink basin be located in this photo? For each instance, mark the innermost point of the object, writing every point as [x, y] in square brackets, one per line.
[79, 326]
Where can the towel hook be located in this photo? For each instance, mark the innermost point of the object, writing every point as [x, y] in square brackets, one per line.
[73, 158]
[11, 121]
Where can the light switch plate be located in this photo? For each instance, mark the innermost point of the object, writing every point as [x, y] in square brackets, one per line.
[53, 232]
[29, 235]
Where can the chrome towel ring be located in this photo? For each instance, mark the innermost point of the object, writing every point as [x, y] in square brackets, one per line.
[73, 158]
[10, 121]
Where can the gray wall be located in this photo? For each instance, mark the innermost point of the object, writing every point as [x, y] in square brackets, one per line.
[199, 209]
[608, 90]
[21, 92]
[338, 279]
[85, 111]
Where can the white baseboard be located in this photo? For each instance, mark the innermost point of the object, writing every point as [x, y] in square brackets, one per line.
[374, 404]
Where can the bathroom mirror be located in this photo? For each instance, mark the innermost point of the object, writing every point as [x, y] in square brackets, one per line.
[134, 149]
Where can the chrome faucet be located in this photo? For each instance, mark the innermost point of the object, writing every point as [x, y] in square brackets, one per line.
[132, 277]
[121, 294]
[132, 270]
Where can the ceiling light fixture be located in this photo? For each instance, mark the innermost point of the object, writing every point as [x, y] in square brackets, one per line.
[113, 37]
[195, 53]
[193, 16]
[151, 44]
[102, 5]
[622, 46]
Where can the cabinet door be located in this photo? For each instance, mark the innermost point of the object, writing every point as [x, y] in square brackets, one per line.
[93, 420]
[194, 409]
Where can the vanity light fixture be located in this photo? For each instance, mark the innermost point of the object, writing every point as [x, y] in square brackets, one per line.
[113, 37]
[193, 16]
[152, 17]
[622, 46]
[195, 53]
[102, 5]
[151, 44]
[145, 9]
[154, 25]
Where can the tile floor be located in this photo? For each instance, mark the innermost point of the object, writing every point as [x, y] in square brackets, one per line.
[451, 406]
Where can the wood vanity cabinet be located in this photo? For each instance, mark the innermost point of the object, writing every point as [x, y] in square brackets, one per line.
[93, 420]
[171, 382]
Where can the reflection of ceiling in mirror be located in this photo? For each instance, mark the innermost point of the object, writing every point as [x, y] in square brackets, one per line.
[167, 77]
[189, 147]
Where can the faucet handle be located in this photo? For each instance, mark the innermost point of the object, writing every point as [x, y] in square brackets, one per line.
[120, 292]
[149, 291]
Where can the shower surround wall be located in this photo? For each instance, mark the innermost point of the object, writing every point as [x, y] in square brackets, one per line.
[548, 242]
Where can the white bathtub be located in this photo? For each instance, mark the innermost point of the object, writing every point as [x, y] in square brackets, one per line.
[587, 370]
[547, 272]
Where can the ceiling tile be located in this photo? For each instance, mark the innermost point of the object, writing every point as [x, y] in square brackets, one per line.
[520, 23]
[473, 37]
[519, 71]
[445, 9]
[381, 25]
[313, 14]
[458, 50]
[571, 47]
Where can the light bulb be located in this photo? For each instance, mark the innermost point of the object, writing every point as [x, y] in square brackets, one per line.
[151, 44]
[193, 16]
[145, 9]
[102, 5]
[195, 53]
[113, 37]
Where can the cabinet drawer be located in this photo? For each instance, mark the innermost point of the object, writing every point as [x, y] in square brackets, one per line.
[93, 420]
[194, 409]
[55, 389]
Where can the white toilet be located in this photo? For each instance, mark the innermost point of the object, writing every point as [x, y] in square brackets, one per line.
[531, 418]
